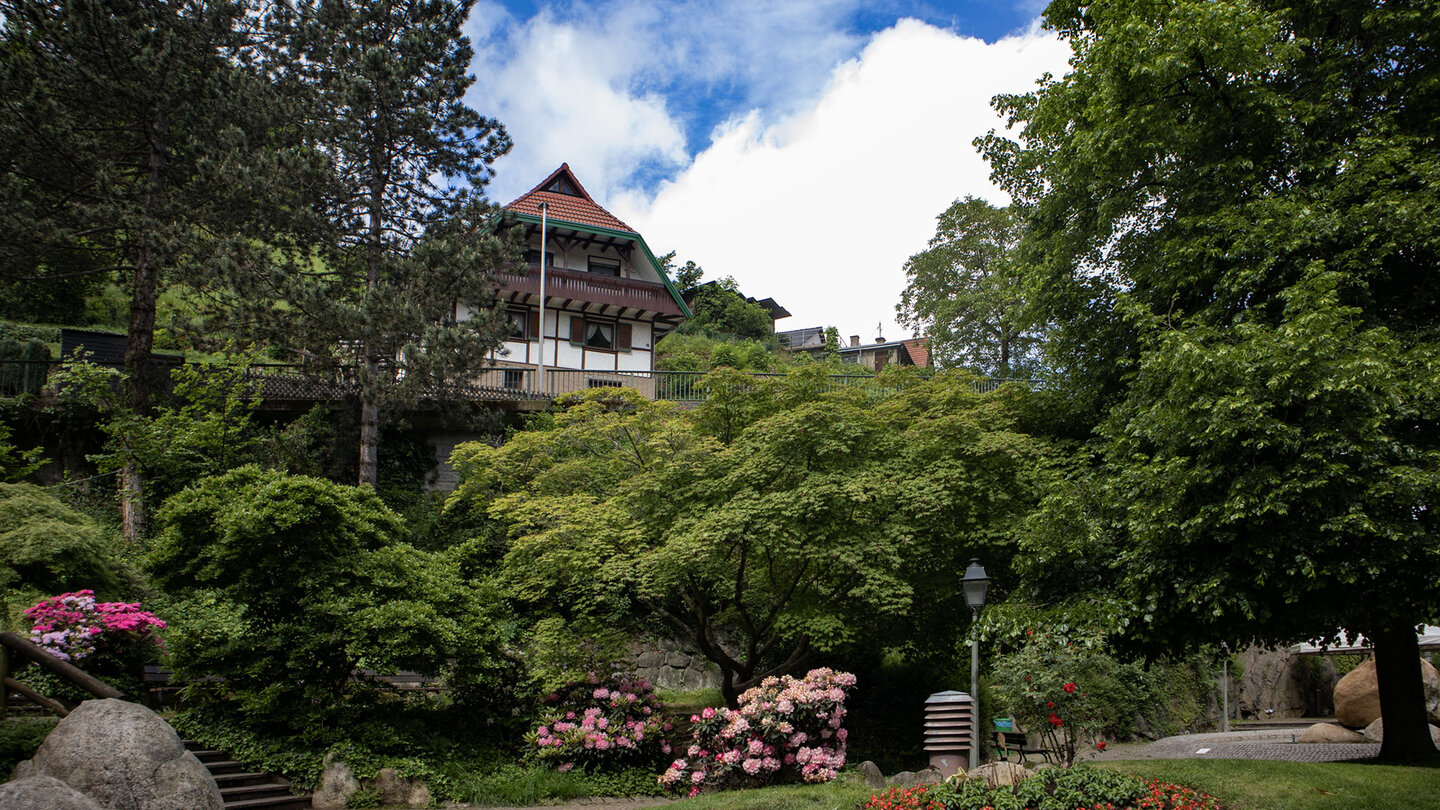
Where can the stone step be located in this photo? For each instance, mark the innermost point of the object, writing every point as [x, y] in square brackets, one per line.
[211, 755]
[224, 766]
[225, 780]
[267, 790]
[271, 803]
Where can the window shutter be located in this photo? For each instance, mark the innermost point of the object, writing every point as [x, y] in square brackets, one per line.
[533, 318]
[622, 337]
[577, 330]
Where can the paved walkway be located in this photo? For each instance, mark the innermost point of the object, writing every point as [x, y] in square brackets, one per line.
[1276, 744]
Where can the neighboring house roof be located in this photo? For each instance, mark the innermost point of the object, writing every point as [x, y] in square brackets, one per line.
[919, 349]
[770, 305]
[568, 201]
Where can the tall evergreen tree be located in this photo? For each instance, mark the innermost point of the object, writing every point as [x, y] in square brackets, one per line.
[130, 136]
[400, 282]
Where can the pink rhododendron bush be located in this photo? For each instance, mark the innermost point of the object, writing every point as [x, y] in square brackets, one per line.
[785, 730]
[595, 725]
[72, 626]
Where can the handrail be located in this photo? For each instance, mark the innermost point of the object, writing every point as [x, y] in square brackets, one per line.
[11, 642]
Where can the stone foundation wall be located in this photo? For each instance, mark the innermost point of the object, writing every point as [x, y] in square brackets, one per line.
[1279, 683]
[670, 665]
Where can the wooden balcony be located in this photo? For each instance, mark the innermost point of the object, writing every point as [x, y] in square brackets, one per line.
[577, 285]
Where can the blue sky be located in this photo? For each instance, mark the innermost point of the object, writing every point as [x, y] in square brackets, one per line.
[802, 147]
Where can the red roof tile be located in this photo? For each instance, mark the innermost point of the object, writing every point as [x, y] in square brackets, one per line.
[580, 210]
[919, 349]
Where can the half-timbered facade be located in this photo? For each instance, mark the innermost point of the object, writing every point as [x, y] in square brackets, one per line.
[607, 299]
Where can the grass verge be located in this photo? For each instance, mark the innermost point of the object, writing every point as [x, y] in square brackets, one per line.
[845, 793]
[1265, 785]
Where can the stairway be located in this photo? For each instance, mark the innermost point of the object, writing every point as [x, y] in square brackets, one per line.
[242, 789]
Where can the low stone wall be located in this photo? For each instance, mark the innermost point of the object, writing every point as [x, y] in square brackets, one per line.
[668, 664]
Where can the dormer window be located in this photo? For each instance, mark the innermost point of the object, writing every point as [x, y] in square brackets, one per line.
[604, 267]
[562, 185]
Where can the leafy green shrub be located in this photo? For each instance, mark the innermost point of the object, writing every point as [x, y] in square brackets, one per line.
[1077, 788]
[317, 585]
[47, 547]
[1047, 685]
[598, 725]
[20, 736]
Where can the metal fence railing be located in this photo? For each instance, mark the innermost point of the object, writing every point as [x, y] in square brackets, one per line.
[283, 382]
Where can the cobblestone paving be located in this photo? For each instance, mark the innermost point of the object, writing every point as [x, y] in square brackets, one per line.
[1277, 745]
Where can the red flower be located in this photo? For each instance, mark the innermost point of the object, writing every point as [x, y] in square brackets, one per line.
[1055, 720]
[1100, 746]
[1049, 704]
[1069, 687]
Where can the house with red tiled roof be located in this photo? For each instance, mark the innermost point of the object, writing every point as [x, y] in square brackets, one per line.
[606, 300]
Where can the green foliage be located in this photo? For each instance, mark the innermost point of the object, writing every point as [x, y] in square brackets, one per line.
[1230, 216]
[1050, 789]
[15, 463]
[317, 584]
[966, 293]
[797, 519]
[25, 332]
[719, 309]
[47, 548]
[20, 736]
[1293, 785]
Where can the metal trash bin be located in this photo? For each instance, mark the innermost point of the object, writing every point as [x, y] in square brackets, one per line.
[949, 724]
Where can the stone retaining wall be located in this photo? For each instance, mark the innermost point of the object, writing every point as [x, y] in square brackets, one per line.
[668, 664]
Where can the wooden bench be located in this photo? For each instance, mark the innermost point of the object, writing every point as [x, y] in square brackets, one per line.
[1010, 738]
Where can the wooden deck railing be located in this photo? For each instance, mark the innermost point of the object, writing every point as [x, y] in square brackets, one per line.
[14, 645]
[577, 284]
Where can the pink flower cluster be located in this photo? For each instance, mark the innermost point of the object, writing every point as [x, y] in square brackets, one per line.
[71, 626]
[784, 728]
[594, 724]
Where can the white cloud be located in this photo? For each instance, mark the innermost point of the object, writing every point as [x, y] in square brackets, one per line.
[587, 84]
[562, 96]
[821, 209]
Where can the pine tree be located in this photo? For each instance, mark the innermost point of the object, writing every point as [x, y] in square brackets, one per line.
[132, 135]
[410, 244]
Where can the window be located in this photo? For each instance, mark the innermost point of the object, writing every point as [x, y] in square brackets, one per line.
[604, 267]
[592, 382]
[533, 257]
[524, 324]
[514, 378]
[605, 336]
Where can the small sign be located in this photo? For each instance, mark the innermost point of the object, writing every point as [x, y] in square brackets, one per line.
[1004, 724]
[1202, 751]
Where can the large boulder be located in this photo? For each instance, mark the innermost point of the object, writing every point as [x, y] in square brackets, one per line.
[396, 790]
[124, 757]
[43, 793]
[1357, 696]
[1375, 733]
[871, 774]
[337, 782]
[1001, 774]
[1330, 733]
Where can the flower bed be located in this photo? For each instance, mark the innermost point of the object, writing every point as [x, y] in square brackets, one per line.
[784, 730]
[595, 724]
[1078, 788]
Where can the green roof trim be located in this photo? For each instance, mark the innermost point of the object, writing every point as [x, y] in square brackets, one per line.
[631, 235]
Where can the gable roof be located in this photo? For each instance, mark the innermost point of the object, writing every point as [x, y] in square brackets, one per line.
[919, 349]
[576, 208]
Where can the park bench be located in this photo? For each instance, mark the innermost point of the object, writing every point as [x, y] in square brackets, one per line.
[1011, 739]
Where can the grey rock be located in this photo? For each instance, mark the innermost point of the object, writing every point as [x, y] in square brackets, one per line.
[124, 757]
[336, 784]
[43, 793]
[678, 660]
[1330, 734]
[998, 774]
[870, 772]
[1275, 683]
[910, 779]
[395, 789]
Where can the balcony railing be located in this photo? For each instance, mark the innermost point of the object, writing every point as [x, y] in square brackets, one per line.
[281, 383]
[581, 286]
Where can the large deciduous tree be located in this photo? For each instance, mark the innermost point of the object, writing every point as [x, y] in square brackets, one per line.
[966, 293]
[773, 525]
[412, 245]
[1232, 215]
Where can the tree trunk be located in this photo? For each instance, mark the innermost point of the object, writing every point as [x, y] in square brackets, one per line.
[369, 444]
[140, 338]
[1402, 697]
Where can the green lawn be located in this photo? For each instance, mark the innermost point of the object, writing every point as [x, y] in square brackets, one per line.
[1260, 785]
[844, 793]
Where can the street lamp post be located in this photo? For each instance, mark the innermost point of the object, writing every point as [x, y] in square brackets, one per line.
[975, 583]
